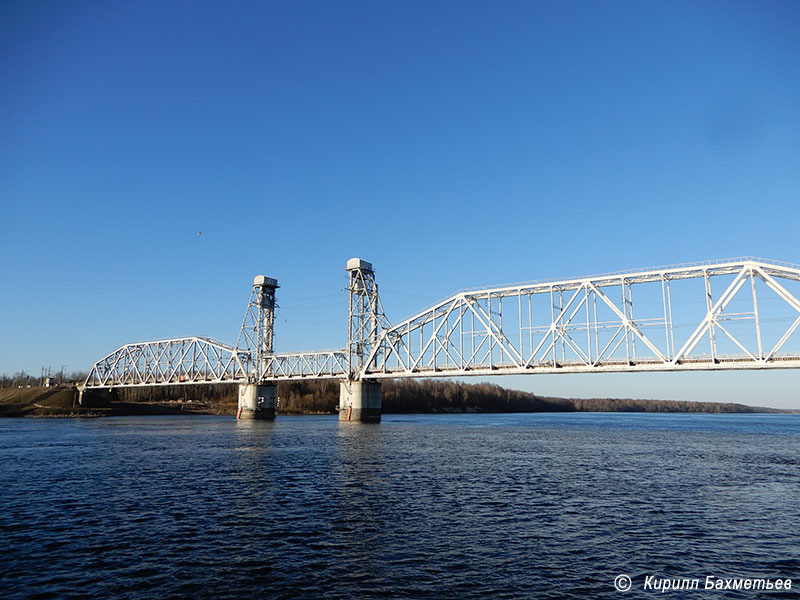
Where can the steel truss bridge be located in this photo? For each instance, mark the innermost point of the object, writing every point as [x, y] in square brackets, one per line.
[741, 313]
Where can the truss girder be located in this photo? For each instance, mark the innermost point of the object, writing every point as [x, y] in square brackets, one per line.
[592, 324]
[465, 334]
[168, 362]
[324, 364]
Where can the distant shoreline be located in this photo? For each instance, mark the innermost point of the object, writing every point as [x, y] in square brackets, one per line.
[403, 398]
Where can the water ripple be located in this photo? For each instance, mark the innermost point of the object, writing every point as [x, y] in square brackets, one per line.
[500, 506]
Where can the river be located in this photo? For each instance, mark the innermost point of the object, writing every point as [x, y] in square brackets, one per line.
[420, 506]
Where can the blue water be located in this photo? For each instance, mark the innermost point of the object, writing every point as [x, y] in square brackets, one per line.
[420, 506]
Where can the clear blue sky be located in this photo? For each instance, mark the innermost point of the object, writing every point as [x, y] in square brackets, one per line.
[454, 144]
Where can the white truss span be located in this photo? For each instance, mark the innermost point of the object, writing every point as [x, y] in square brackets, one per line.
[594, 324]
[735, 314]
[325, 364]
[167, 362]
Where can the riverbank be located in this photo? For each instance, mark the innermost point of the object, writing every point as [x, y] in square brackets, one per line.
[399, 397]
[62, 401]
[41, 402]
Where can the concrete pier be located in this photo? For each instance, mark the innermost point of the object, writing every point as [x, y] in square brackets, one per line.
[257, 401]
[360, 401]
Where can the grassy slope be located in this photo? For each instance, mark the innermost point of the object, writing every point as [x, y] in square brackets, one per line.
[40, 402]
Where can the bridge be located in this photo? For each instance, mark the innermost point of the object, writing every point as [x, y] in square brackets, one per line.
[731, 314]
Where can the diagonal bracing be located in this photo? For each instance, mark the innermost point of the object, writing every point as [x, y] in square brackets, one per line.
[633, 321]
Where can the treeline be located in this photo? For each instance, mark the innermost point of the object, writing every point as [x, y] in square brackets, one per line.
[218, 398]
[302, 397]
[23, 379]
[411, 395]
[419, 395]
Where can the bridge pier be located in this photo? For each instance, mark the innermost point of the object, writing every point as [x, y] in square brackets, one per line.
[360, 401]
[257, 401]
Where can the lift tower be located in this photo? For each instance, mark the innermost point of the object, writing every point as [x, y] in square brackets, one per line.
[257, 397]
[360, 399]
